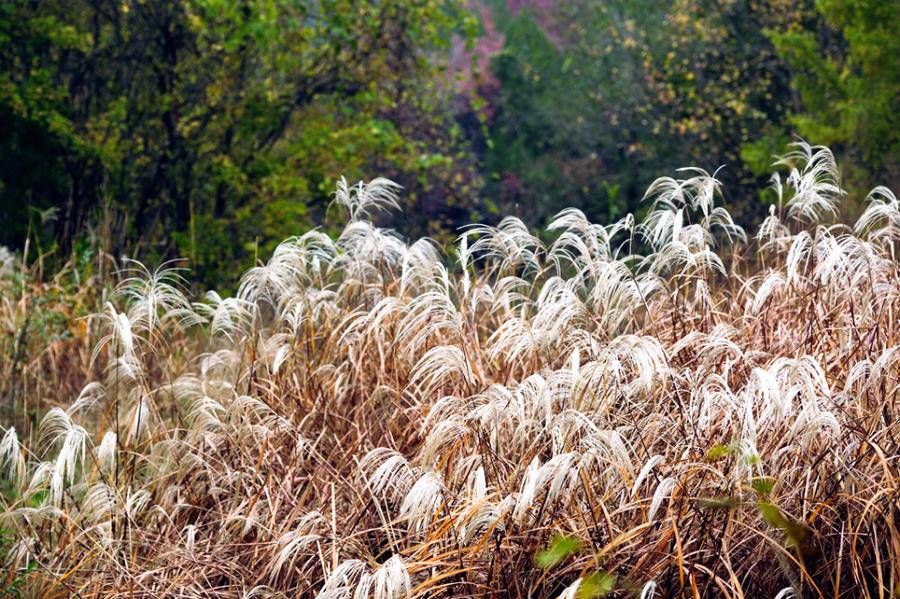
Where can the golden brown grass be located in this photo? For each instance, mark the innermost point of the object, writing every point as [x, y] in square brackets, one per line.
[712, 416]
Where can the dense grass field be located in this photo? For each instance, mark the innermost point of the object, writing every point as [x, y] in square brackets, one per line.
[654, 408]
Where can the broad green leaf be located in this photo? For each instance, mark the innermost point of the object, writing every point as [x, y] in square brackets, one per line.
[559, 549]
[598, 584]
[717, 452]
[763, 484]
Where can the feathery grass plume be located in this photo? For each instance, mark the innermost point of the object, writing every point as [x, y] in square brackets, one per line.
[880, 222]
[423, 501]
[421, 267]
[363, 198]
[772, 232]
[353, 578]
[552, 480]
[91, 396]
[427, 316]
[663, 491]
[581, 243]
[155, 298]
[301, 538]
[571, 591]
[99, 508]
[12, 460]
[509, 248]
[815, 182]
[439, 366]
[675, 200]
[228, 317]
[387, 472]
[772, 283]
[106, 452]
[652, 463]
[58, 431]
[121, 339]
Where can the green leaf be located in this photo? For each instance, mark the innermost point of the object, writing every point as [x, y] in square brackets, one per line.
[762, 484]
[598, 584]
[771, 514]
[797, 533]
[717, 452]
[559, 549]
[753, 459]
[718, 503]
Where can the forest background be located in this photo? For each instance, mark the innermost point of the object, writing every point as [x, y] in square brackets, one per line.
[213, 129]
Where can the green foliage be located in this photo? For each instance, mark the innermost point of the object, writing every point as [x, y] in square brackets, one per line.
[848, 78]
[218, 125]
[758, 155]
[211, 129]
[570, 127]
[559, 549]
[717, 452]
[763, 485]
[595, 585]
[797, 534]
[596, 99]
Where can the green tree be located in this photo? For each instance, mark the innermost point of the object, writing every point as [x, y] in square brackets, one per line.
[571, 124]
[847, 77]
[597, 99]
[218, 127]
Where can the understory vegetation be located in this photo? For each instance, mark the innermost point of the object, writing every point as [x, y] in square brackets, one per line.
[668, 406]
